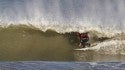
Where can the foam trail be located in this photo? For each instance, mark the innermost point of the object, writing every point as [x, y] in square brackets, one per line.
[109, 47]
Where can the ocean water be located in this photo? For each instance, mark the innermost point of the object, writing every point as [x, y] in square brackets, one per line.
[45, 65]
[46, 30]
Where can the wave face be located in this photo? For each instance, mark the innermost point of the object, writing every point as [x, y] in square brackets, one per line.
[22, 42]
[25, 43]
[65, 15]
[103, 19]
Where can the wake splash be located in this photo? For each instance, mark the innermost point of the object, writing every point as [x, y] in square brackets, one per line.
[111, 47]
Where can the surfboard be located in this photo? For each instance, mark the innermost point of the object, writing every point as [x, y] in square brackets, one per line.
[86, 48]
[82, 49]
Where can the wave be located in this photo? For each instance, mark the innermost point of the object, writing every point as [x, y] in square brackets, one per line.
[33, 44]
[41, 26]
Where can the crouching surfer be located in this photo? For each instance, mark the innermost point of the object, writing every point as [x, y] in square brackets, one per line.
[84, 38]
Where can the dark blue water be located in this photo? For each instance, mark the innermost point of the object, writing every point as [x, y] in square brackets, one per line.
[46, 65]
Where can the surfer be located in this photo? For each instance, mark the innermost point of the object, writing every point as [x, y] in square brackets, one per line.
[84, 38]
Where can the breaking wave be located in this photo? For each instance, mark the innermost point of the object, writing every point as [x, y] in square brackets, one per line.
[104, 20]
[101, 43]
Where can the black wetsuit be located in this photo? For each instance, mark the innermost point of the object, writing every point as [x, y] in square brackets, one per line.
[84, 39]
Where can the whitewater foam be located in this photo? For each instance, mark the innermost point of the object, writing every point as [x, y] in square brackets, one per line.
[111, 47]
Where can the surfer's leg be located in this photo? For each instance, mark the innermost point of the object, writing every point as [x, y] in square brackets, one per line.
[80, 44]
[83, 44]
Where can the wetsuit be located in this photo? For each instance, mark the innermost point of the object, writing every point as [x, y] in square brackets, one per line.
[83, 39]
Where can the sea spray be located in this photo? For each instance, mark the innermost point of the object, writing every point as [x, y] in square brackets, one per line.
[65, 16]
